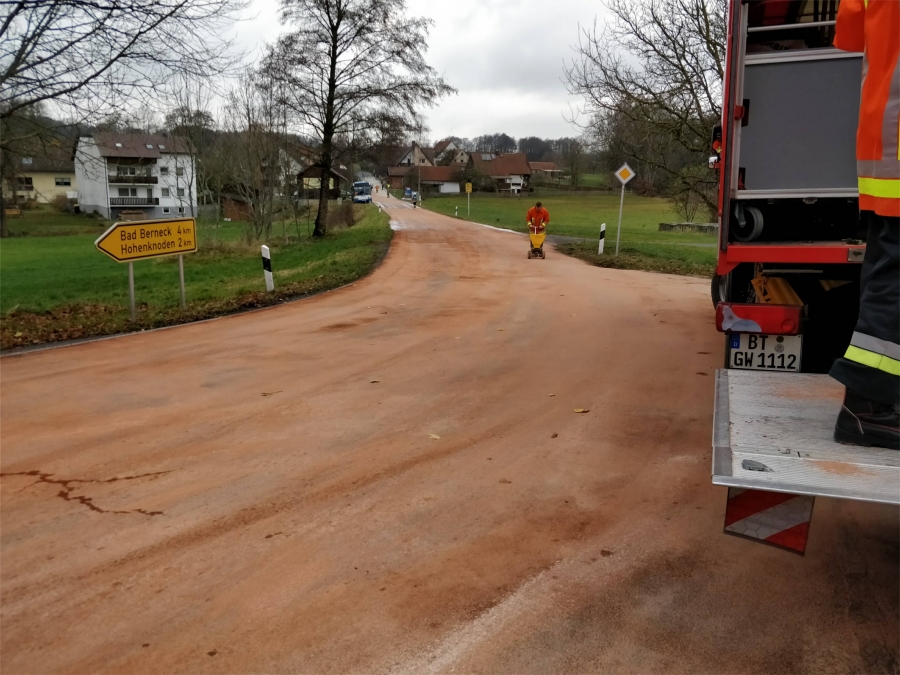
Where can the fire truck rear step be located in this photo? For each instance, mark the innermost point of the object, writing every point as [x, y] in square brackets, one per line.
[773, 431]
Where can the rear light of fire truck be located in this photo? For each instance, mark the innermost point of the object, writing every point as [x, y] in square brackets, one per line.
[757, 318]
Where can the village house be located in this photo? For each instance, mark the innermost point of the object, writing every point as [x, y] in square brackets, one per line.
[441, 179]
[44, 173]
[438, 167]
[544, 170]
[510, 172]
[417, 156]
[133, 176]
[446, 153]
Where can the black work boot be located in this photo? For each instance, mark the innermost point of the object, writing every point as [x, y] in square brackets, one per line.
[866, 422]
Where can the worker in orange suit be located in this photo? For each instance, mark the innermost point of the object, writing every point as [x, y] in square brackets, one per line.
[537, 219]
[870, 369]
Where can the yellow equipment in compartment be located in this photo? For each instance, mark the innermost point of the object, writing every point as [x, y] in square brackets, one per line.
[775, 291]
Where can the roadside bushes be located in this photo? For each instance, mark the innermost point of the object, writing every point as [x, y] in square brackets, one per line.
[343, 215]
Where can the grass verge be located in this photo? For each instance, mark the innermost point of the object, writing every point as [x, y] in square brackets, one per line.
[61, 288]
[647, 257]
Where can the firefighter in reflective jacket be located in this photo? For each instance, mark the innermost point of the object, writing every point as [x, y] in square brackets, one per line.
[870, 369]
[537, 219]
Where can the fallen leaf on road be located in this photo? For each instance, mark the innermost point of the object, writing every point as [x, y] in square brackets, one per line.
[269, 393]
[573, 315]
[580, 410]
[604, 553]
[434, 437]
[19, 333]
[501, 329]
[457, 338]
[503, 480]
[384, 312]
[551, 395]
[375, 381]
[554, 435]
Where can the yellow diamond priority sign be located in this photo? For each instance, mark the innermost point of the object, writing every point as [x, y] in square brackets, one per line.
[136, 240]
[625, 173]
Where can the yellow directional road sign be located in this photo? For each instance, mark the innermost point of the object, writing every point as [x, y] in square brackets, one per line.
[134, 240]
[468, 187]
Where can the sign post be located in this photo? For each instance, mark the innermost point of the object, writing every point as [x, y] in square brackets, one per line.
[181, 279]
[468, 199]
[131, 289]
[624, 174]
[140, 239]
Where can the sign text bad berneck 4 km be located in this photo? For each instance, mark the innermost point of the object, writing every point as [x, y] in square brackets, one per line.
[140, 239]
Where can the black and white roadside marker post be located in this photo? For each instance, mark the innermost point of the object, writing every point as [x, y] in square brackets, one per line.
[267, 268]
[624, 174]
[602, 239]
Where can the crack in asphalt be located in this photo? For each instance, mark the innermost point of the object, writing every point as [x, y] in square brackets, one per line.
[67, 488]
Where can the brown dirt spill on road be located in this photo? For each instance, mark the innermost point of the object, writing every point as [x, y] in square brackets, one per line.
[322, 529]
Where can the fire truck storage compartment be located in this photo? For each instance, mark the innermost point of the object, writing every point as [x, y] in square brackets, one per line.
[799, 136]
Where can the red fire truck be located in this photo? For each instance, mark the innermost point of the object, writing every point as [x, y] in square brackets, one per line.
[786, 287]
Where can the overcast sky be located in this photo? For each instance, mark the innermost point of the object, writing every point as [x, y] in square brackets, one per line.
[504, 56]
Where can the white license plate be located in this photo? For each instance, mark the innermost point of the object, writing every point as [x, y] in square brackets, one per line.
[752, 351]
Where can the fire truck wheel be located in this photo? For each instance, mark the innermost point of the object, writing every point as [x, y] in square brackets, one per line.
[748, 224]
[719, 289]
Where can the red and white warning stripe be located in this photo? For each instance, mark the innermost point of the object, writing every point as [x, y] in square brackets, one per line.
[777, 518]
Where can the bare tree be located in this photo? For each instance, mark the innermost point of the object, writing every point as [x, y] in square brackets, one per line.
[191, 120]
[249, 154]
[654, 76]
[346, 64]
[89, 59]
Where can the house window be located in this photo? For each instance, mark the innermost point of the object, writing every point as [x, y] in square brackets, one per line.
[126, 170]
[63, 182]
[118, 145]
[179, 171]
[421, 161]
[181, 192]
[180, 209]
[128, 192]
[24, 182]
[27, 160]
[163, 171]
[149, 147]
[167, 210]
[165, 192]
[161, 146]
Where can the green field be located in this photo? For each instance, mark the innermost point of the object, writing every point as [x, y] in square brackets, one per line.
[574, 215]
[580, 215]
[61, 287]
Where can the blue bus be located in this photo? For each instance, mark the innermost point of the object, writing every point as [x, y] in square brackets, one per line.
[362, 193]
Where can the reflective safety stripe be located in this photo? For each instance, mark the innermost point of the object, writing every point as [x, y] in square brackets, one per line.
[878, 168]
[873, 360]
[876, 345]
[888, 188]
